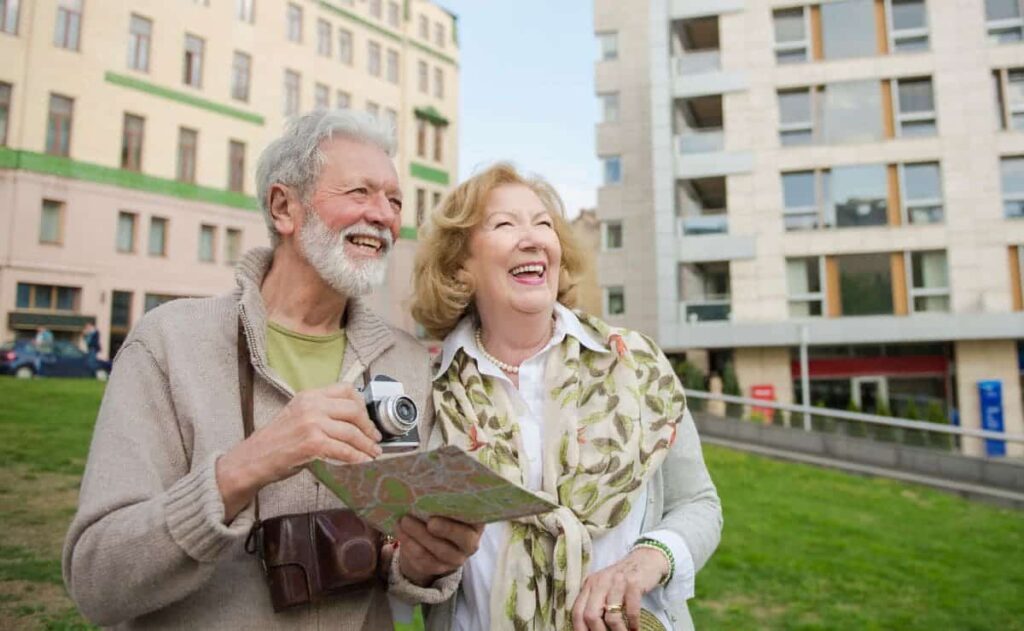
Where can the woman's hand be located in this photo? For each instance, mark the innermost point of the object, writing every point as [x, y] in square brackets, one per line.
[621, 584]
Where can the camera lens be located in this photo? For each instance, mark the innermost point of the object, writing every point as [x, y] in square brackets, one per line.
[405, 410]
[397, 416]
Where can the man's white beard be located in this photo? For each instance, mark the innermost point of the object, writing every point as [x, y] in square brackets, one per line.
[325, 251]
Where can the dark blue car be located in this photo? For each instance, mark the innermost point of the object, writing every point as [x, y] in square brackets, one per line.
[22, 359]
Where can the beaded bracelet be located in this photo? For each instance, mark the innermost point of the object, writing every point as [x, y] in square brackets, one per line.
[654, 544]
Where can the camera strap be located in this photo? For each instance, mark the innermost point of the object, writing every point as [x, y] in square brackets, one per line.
[245, 394]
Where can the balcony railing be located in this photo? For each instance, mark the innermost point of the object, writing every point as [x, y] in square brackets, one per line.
[708, 140]
[710, 222]
[707, 310]
[698, 62]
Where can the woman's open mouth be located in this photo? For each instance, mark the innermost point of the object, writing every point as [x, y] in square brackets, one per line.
[529, 273]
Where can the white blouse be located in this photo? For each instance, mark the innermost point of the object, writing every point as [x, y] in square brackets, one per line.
[473, 610]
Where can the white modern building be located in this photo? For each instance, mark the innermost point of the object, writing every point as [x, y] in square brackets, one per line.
[845, 172]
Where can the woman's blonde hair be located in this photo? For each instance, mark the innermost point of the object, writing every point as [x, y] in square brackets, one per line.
[442, 291]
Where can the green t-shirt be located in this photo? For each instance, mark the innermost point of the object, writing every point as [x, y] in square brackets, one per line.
[305, 362]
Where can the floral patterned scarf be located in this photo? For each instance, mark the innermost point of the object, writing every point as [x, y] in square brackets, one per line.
[609, 421]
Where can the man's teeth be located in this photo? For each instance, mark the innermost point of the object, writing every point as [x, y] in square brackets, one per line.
[526, 269]
[369, 242]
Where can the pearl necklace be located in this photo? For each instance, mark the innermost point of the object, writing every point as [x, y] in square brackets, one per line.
[509, 368]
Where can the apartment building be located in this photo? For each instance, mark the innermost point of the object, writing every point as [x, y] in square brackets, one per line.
[846, 175]
[129, 134]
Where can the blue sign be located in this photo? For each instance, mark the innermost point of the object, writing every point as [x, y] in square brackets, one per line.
[990, 394]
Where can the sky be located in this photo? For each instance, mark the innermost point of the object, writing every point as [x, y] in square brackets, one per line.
[527, 91]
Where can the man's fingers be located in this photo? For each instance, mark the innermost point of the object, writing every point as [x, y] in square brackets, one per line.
[354, 412]
[441, 549]
[465, 537]
[345, 433]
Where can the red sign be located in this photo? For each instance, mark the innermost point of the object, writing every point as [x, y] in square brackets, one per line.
[763, 392]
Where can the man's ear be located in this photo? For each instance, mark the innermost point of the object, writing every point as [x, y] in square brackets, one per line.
[283, 209]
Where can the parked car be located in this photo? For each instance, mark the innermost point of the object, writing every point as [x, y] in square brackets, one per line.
[22, 359]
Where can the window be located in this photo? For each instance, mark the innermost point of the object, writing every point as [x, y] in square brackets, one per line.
[916, 107]
[131, 142]
[345, 46]
[157, 236]
[929, 290]
[241, 70]
[705, 291]
[792, 43]
[120, 318]
[392, 66]
[232, 245]
[9, 16]
[435, 199]
[803, 194]
[324, 35]
[612, 235]
[373, 109]
[805, 293]
[376, 8]
[609, 107]
[188, 139]
[207, 239]
[421, 206]
[908, 25]
[5, 111]
[848, 29]
[865, 282]
[921, 187]
[292, 80]
[439, 34]
[152, 301]
[51, 222]
[244, 10]
[68, 28]
[373, 59]
[342, 100]
[1013, 186]
[614, 300]
[321, 97]
[236, 166]
[391, 118]
[608, 46]
[424, 27]
[140, 35]
[422, 78]
[48, 297]
[852, 112]
[438, 82]
[612, 170]
[1004, 21]
[438, 143]
[859, 195]
[126, 223]
[393, 14]
[58, 125]
[294, 24]
[1009, 89]
[193, 71]
[796, 121]
[421, 138]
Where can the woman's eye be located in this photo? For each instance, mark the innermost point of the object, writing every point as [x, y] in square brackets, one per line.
[547, 223]
[502, 224]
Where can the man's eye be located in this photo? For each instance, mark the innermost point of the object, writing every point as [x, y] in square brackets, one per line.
[396, 203]
[359, 191]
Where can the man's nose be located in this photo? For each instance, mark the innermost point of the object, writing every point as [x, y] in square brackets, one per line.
[379, 210]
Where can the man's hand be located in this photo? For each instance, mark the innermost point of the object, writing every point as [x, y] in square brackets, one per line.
[327, 423]
[622, 584]
[435, 548]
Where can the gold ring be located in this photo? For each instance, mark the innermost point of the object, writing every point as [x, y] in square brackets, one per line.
[613, 609]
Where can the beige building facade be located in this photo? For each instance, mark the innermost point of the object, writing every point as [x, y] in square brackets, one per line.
[130, 131]
[849, 173]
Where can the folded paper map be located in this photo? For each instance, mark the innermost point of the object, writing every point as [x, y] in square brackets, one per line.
[446, 482]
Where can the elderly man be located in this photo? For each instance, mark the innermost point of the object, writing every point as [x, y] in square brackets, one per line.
[167, 500]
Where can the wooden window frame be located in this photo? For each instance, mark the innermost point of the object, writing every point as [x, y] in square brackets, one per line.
[132, 141]
[61, 218]
[135, 232]
[61, 145]
[236, 166]
[186, 166]
[167, 237]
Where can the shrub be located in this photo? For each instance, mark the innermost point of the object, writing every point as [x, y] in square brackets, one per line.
[731, 385]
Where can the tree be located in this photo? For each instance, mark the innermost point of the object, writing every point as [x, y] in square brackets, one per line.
[913, 437]
[693, 379]
[936, 414]
[731, 385]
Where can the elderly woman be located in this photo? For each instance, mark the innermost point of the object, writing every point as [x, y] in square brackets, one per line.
[588, 415]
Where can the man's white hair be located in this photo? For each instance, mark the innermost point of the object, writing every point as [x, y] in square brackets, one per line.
[295, 159]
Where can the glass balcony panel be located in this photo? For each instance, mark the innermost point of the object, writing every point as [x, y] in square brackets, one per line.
[711, 223]
[698, 62]
[701, 141]
[708, 311]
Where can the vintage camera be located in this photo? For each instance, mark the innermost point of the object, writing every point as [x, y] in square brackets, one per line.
[393, 413]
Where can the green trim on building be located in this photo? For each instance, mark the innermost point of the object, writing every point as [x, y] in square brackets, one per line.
[432, 52]
[408, 232]
[429, 174]
[87, 172]
[430, 114]
[182, 97]
[355, 18]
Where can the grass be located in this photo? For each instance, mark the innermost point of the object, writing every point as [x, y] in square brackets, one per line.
[803, 548]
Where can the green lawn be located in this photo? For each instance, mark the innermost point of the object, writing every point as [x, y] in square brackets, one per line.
[803, 548]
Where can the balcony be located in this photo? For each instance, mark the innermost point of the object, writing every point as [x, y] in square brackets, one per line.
[697, 62]
[701, 141]
[714, 222]
[704, 292]
[709, 311]
[701, 206]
